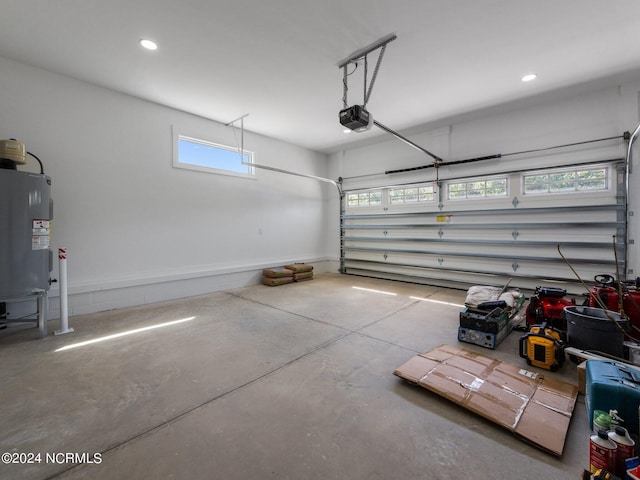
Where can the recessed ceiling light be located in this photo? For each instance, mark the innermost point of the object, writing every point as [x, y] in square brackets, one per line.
[529, 77]
[346, 130]
[148, 44]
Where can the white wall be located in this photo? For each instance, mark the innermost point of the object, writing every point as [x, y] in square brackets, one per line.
[138, 230]
[600, 113]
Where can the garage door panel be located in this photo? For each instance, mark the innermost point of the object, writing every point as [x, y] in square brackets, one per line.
[524, 237]
[511, 250]
[492, 239]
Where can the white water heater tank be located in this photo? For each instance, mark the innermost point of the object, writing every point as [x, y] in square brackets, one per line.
[26, 211]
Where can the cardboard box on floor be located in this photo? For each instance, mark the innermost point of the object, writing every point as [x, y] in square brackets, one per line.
[535, 408]
[582, 377]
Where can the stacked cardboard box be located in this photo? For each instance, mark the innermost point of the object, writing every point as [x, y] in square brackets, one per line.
[295, 272]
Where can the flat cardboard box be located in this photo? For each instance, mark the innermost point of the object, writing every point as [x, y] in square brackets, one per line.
[535, 408]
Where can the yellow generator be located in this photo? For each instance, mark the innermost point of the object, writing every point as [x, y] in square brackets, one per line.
[543, 347]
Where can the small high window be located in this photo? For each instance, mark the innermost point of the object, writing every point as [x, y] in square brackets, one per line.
[206, 156]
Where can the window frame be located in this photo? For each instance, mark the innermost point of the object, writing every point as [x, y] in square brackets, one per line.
[368, 194]
[576, 170]
[203, 140]
[469, 181]
[404, 202]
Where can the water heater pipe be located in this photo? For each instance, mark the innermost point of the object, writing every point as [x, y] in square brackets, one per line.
[64, 310]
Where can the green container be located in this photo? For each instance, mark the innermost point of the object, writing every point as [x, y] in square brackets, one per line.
[601, 421]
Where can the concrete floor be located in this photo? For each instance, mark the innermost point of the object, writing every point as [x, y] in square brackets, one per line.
[290, 382]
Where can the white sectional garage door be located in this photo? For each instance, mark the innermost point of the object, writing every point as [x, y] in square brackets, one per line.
[489, 229]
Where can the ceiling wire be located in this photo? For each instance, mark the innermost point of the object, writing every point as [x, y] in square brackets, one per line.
[345, 83]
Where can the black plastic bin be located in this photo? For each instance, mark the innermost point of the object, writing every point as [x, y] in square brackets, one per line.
[591, 328]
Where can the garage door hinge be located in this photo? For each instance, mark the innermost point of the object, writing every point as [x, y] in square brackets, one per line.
[515, 265]
[515, 234]
[515, 202]
[440, 260]
[440, 233]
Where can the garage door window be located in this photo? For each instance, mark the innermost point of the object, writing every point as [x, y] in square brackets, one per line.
[419, 194]
[567, 181]
[478, 189]
[365, 199]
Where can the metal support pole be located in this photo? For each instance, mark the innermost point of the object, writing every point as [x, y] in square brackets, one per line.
[628, 171]
[43, 307]
[241, 135]
[64, 311]
[343, 268]
[375, 74]
[345, 87]
[234, 121]
[407, 141]
[362, 55]
[368, 49]
[289, 172]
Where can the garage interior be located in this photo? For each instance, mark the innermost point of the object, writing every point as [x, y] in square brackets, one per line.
[496, 148]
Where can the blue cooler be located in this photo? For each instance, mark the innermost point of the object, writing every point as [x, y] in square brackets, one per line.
[612, 386]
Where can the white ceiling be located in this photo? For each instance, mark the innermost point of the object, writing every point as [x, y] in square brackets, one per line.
[276, 60]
